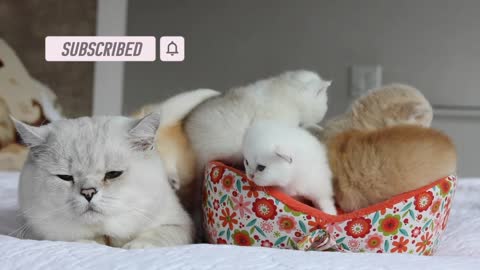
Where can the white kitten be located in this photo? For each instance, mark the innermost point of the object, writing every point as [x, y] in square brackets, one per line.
[216, 127]
[87, 178]
[277, 154]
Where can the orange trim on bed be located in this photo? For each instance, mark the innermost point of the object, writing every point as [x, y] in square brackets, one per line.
[306, 209]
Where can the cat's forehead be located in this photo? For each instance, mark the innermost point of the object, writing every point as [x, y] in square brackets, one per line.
[86, 129]
[89, 142]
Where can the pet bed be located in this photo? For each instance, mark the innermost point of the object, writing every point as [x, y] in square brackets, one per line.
[236, 211]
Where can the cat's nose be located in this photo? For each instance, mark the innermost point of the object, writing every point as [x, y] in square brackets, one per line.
[88, 193]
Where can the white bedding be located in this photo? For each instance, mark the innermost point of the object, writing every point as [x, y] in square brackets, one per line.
[459, 249]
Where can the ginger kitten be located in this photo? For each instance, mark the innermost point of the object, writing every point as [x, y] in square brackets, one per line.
[390, 105]
[172, 143]
[372, 166]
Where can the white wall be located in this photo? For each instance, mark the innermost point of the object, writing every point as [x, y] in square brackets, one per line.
[431, 44]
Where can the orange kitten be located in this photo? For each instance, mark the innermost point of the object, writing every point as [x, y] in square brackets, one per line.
[172, 143]
[372, 166]
[177, 153]
[390, 105]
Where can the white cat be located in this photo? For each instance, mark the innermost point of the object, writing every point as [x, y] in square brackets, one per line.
[90, 179]
[289, 157]
[217, 126]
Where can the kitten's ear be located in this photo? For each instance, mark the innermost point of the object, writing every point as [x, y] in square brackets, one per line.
[143, 134]
[324, 85]
[420, 111]
[283, 154]
[30, 135]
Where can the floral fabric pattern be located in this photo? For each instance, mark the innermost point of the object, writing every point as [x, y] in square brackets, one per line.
[238, 212]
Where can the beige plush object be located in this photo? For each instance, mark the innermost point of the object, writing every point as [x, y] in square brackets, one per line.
[387, 106]
[24, 98]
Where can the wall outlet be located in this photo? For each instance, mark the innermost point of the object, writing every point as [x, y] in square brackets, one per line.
[364, 78]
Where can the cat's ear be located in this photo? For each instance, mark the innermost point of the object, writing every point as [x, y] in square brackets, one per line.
[143, 134]
[30, 135]
[420, 111]
[324, 85]
[282, 153]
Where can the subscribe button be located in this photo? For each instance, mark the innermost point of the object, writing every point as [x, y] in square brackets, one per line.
[108, 48]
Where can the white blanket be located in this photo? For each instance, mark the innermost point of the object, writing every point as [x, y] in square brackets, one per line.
[459, 249]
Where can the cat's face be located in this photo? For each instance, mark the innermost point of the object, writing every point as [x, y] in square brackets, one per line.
[89, 169]
[267, 166]
[267, 162]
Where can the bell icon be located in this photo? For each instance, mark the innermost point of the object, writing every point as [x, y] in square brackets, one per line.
[172, 48]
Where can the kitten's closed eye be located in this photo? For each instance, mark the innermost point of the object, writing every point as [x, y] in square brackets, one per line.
[113, 174]
[260, 168]
[65, 177]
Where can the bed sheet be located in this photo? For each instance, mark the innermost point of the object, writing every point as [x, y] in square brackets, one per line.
[459, 248]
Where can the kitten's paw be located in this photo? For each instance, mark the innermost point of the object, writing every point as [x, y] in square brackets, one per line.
[139, 244]
[327, 206]
[330, 211]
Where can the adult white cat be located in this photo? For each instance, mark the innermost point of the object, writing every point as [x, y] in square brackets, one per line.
[289, 157]
[99, 179]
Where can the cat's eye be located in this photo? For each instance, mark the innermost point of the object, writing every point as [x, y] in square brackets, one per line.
[246, 162]
[260, 168]
[113, 174]
[65, 177]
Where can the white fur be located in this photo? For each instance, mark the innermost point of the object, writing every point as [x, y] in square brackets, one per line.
[294, 160]
[217, 126]
[177, 107]
[136, 210]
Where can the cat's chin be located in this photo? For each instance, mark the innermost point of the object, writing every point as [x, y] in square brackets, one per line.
[91, 215]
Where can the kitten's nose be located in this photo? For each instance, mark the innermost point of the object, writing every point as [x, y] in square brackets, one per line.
[88, 193]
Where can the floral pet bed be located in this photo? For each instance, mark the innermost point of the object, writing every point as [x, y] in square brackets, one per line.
[238, 212]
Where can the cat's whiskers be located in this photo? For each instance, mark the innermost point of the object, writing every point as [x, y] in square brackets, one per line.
[114, 203]
[22, 230]
[49, 214]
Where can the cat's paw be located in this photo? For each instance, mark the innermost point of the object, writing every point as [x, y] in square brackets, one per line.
[87, 241]
[326, 205]
[139, 244]
[97, 240]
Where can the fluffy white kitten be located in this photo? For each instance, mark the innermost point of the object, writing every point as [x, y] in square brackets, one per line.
[90, 179]
[217, 126]
[289, 157]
